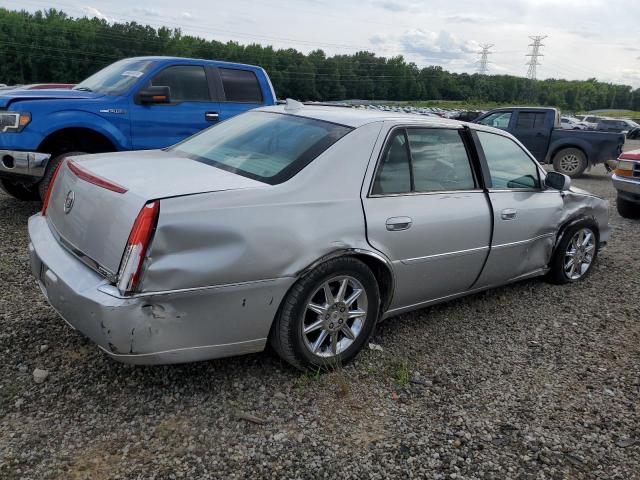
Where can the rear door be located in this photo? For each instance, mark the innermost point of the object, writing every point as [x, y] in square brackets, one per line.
[526, 216]
[193, 107]
[531, 130]
[426, 212]
[239, 90]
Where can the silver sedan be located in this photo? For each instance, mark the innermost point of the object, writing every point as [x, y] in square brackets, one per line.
[301, 226]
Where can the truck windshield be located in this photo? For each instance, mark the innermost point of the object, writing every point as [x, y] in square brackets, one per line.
[117, 78]
[265, 146]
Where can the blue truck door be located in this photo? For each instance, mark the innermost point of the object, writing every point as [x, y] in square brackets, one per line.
[193, 107]
[531, 130]
[238, 89]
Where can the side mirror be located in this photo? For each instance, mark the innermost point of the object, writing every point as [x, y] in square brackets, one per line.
[151, 95]
[558, 181]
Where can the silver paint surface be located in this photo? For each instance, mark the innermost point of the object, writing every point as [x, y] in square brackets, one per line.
[227, 249]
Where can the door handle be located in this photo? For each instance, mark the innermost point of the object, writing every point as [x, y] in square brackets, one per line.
[396, 224]
[212, 116]
[509, 214]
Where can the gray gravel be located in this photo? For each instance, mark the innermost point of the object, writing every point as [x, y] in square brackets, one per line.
[527, 381]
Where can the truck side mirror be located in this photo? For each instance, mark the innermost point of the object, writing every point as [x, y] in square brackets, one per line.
[153, 94]
[558, 181]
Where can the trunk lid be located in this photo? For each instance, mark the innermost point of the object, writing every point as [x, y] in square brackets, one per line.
[94, 222]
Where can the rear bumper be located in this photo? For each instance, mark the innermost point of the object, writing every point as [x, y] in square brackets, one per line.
[628, 188]
[158, 328]
[18, 162]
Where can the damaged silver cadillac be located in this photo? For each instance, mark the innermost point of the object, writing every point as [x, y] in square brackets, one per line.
[301, 226]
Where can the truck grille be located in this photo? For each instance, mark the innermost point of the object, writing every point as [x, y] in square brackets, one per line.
[636, 169]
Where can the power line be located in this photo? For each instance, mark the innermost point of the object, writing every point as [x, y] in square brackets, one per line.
[535, 54]
[483, 62]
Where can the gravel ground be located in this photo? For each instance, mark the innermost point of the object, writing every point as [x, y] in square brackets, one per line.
[527, 381]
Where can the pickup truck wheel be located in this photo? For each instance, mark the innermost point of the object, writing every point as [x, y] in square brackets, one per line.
[26, 193]
[575, 254]
[327, 316]
[570, 161]
[627, 209]
[43, 186]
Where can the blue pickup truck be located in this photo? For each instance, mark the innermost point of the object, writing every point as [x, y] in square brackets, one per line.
[134, 104]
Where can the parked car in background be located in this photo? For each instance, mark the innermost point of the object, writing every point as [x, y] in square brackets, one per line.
[258, 230]
[626, 180]
[570, 152]
[616, 125]
[570, 123]
[134, 104]
[591, 121]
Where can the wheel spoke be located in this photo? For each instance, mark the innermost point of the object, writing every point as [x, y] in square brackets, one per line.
[589, 248]
[587, 239]
[319, 341]
[319, 309]
[346, 329]
[313, 327]
[328, 296]
[353, 297]
[569, 263]
[356, 313]
[342, 290]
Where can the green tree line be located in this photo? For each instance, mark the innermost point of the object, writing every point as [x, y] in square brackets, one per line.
[50, 46]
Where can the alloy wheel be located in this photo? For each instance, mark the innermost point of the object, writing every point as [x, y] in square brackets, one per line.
[334, 316]
[579, 254]
[570, 163]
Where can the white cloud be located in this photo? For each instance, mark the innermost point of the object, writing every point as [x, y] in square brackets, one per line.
[186, 15]
[437, 47]
[94, 12]
[147, 12]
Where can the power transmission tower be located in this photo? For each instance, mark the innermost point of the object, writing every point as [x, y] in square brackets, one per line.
[535, 54]
[483, 62]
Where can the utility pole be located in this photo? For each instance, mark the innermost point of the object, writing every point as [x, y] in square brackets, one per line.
[483, 62]
[535, 54]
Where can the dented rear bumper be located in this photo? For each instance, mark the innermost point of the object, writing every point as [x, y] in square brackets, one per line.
[153, 328]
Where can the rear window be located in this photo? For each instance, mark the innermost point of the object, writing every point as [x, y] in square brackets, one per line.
[240, 86]
[530, 120]
[265, 146]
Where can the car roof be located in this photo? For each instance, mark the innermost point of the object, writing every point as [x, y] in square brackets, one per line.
[357, 117]
[186, 60]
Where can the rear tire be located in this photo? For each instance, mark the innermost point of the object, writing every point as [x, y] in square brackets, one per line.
[307, 321]
[26, 193]
[570, 161]
[627, 209]
[43, 186]
[577, 250]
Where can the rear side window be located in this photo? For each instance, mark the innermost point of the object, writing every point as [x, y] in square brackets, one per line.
[394, 173]
[509, 166]
[529, 120]
[187, 83]
[264, 146]
[241, 86]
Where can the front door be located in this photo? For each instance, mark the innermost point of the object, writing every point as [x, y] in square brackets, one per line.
[526, 216]
[190, 110]
[426, 212]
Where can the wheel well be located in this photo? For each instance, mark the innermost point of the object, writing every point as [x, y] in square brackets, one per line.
[75, 139]
[564, 147]
[383, 275]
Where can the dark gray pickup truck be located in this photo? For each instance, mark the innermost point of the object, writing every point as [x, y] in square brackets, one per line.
[570, 151]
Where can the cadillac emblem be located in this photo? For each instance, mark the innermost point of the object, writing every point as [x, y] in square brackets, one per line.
[68, 201]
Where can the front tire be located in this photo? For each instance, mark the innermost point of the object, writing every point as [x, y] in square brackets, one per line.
[26, 193]
[575, 254]
[328, 315]
[627, 209]
[570, 161]
[43, 186]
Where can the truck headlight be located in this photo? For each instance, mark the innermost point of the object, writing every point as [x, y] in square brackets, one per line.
[624, 168]
[14, 121]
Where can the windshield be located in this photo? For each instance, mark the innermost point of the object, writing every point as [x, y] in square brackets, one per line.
[117, 78]
[265, 146]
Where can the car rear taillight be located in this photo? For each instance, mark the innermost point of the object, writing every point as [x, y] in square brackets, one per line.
[47, 196]
[135, 253]
[87, 176]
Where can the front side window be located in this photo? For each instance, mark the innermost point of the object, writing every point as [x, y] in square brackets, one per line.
[240, 86]
[497, 120]
[268, 147]
[187, 83]
[509, 165]
[117, 78]
[439, 159]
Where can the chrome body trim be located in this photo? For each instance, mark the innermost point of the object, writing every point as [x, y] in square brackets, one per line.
[459, 253]
[522, 242]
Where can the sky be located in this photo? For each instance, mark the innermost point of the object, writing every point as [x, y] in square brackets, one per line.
[585, 38]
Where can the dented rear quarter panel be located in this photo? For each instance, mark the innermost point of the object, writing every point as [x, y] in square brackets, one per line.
[251, 234]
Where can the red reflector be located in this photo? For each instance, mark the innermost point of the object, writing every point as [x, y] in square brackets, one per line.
[47, 196]
[137, 245]
[95, 179]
